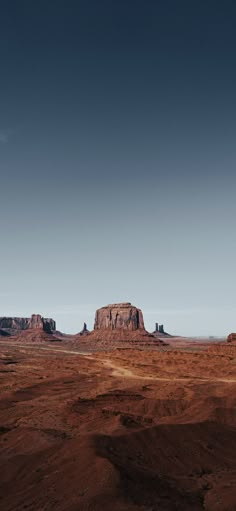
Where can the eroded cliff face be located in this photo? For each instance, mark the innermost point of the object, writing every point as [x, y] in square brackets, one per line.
[15, 325]
[119, 316]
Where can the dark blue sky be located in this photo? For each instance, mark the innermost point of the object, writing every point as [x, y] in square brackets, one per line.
[117, 160]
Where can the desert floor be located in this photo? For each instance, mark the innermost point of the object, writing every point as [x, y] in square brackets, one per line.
[124, 430]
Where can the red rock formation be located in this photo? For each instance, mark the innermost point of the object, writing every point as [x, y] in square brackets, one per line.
[35, 335]
[36, 321]
[14, 325]
[120, 323]
[119, 316]
[231, 338]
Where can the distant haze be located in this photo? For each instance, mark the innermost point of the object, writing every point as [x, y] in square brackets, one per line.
[118, 161]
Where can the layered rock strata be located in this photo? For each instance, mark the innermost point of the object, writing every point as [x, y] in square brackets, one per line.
[13, 326]
[119, 316]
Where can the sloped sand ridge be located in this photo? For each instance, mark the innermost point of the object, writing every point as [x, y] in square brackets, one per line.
[123, 431]
[175, 466]
[112, 339]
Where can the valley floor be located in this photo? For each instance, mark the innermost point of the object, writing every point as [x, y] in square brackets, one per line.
[127, 430]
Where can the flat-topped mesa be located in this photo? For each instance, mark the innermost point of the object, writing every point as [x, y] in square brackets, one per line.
[14, 325]
[119, 316]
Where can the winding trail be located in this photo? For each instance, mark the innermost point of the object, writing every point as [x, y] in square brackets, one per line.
[119, 371]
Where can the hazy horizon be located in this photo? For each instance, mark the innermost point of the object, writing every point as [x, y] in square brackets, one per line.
[70, 319]
[117, 161]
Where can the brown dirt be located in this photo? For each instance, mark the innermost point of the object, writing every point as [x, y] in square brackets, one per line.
[126, 430]
[119, 337]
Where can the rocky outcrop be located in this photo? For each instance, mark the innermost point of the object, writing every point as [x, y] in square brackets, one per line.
[160, 332]
[119, 316]
[84, 330]
[119, 325]
[36, 321]
[14, 325]
[159, 329]
[231, 338]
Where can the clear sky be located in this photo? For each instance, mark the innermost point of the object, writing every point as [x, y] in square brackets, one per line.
[118, 161]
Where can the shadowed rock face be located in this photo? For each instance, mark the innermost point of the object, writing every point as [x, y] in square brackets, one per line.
[15, 325]
[160, 332]
[231, 338]
[3, 333]
[117, 316]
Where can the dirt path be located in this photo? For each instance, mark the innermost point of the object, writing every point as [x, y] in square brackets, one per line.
[127, 373]
[120, 371]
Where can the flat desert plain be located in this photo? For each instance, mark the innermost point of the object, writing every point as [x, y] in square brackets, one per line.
[125, 430]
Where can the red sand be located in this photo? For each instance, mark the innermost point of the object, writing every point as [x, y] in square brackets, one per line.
[126, 430]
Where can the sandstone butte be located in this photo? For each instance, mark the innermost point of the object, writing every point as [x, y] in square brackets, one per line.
[119, 323]
[119, 316]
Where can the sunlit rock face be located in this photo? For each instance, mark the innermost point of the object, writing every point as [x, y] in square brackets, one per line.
[117, 316]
